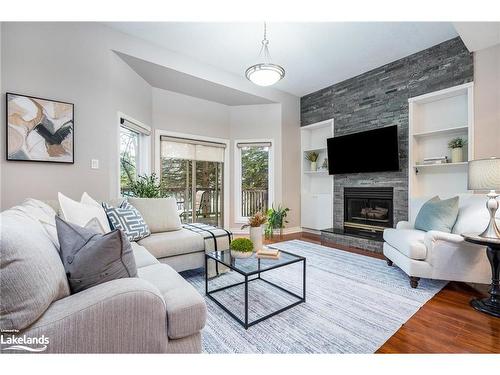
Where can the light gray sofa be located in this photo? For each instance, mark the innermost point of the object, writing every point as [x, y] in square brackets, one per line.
[158, 312]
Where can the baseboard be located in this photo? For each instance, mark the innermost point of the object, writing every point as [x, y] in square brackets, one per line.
[312, 231]
[285, 231]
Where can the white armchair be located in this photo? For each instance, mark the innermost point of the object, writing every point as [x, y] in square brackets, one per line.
[440, 255]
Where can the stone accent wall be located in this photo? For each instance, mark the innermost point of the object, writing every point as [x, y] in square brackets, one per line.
[379, 98]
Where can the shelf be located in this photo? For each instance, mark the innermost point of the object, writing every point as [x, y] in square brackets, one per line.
[444, 165]
[318, 149]
[453, 130]
[317, 172]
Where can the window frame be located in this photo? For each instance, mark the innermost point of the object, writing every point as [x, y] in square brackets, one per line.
[238, 216]
[143, 163]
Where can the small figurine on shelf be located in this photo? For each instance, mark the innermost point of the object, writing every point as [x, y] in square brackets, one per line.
[325, 164]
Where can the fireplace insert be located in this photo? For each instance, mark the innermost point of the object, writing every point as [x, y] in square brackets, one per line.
[368, 211]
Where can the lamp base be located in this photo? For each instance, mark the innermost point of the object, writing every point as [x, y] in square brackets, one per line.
[492, 230]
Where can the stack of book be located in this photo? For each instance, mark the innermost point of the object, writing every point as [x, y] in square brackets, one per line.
[268, 253]
[436, 160]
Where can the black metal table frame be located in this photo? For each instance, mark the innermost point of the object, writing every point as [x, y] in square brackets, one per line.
[245, 323]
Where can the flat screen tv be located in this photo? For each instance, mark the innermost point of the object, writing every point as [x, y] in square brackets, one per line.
[370, 151]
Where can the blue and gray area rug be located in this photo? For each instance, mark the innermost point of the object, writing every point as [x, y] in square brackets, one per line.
[353, 304]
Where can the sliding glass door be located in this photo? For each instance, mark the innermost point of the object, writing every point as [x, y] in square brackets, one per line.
[193, 172]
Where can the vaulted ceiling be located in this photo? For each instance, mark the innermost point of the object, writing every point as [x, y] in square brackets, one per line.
[314, 55]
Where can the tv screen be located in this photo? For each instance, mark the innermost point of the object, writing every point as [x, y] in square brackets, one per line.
[371, 151]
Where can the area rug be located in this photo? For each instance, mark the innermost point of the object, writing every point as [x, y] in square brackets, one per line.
[354, 303]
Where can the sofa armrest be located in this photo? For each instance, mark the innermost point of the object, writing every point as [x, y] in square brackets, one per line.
[404, 225]
[121, 316]
[433, 236]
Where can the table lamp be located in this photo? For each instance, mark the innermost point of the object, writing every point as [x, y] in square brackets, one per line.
[484, 174]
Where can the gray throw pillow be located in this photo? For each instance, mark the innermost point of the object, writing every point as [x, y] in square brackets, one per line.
[91, 258]
[437, 214]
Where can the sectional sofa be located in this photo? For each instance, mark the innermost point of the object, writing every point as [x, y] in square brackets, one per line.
[157, 312]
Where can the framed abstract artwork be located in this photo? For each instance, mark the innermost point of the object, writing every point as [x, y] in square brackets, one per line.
[39, 129]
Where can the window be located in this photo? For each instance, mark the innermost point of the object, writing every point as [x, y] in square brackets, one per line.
[253, 171]
[134, 153]
[192, 171]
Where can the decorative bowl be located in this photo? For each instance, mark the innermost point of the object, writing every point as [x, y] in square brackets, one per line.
[241, 254]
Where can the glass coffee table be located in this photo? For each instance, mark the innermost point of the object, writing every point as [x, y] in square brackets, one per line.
[253, 269]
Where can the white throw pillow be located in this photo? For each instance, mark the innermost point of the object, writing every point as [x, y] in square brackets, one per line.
[81, 213]
[42, 213]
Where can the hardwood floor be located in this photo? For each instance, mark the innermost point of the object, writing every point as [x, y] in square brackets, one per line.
[445, 324]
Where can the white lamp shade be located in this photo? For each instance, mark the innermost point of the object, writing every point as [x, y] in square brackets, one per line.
[265, 74]
[484, 174]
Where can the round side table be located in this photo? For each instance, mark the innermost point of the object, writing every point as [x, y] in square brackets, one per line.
[490, 305]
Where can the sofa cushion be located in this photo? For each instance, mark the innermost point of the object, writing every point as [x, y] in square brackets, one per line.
[43, 213]
[91, 258]
[143, 258]
[159, 213]
[80, 213]
[32, 273]
[437, 214]
[128, 219]
[409, 242]
[172, 243]
[186, 308]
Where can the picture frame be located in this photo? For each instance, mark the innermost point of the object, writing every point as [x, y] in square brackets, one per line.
[39, 129]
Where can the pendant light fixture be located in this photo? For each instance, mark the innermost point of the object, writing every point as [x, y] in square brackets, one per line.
[265, 73]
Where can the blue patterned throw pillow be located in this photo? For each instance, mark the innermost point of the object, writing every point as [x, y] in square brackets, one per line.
[128, 219]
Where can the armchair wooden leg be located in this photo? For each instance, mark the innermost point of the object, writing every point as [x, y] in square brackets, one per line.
[414, 281]
[389, 262]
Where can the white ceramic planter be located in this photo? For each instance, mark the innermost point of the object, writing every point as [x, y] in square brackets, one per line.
[457, 155]
[256, 238]
[314, 166]
[241, 254]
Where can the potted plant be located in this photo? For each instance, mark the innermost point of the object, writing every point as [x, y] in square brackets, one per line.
[457, 145]
[146, 187]
[313, 156]
[255, 223]
[241, 248]
[276, 219]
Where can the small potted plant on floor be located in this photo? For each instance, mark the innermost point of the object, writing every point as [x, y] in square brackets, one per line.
[146, 187]
[241, 248]
[276, 219]
[255, 223]
[313, 156]
[457, 145]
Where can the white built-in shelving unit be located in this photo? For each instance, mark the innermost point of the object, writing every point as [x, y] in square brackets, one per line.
[434, 119]
[316, 186]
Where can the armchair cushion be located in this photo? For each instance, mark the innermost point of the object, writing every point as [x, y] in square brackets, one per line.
[437, 214]
[409, 242]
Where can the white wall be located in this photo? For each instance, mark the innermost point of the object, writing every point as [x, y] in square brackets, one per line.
[71, 62]
[256, 122]
[487, 102]
[75, 62]
[181, 113]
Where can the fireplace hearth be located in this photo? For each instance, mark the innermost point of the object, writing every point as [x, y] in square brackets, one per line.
[368, 211]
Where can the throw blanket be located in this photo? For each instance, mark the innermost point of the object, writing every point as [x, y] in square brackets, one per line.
[216, 239]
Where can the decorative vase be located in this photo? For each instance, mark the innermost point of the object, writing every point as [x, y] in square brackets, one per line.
[457, 155]
[241, 254]
[256, 237]
[314, 166]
